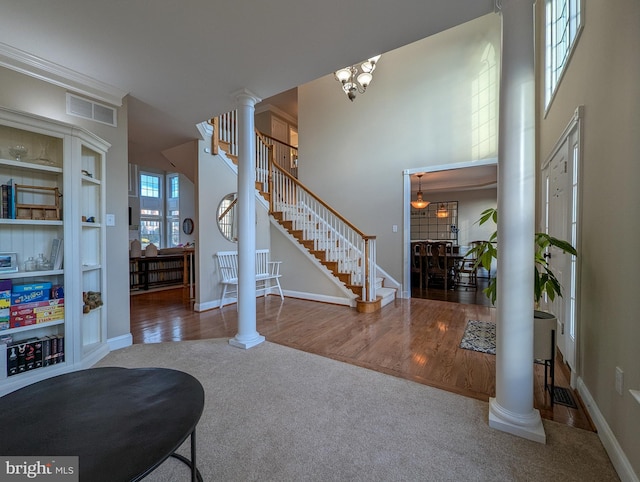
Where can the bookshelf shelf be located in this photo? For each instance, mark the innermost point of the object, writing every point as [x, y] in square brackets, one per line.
[162, 270]
[31, 274]
[28, 166]
[37, 326]
[34, 222]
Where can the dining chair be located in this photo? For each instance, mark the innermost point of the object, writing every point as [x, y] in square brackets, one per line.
[467, 271]
[438, 267]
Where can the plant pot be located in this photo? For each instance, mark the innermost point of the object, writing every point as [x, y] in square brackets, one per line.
[544, 326]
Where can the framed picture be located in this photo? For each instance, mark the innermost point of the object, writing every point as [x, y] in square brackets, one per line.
[8, 262]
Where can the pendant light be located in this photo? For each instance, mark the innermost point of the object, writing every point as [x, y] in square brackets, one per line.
[419, 203]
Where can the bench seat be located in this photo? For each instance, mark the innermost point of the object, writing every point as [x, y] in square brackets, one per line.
[267, 273]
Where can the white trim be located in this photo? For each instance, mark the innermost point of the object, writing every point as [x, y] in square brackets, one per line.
[121, 341]
[209, 305]
[616, 454]
[573, 128]
[90, 360]
[47, 71]
[334, 300]
[578, 115]
[491, 161]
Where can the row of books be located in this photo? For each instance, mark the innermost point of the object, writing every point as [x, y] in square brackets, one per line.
[33, 353]
[8, 203]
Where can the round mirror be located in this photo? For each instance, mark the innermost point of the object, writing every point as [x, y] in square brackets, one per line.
[228, 217]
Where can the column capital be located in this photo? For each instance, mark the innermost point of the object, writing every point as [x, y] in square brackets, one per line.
[245, 97]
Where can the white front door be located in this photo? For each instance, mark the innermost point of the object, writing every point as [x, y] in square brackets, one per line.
[560, 198]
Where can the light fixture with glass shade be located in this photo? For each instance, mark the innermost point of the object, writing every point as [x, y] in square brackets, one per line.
[442, 211]
[419, 203]
[356, 78]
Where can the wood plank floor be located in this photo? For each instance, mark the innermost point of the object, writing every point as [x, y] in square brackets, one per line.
[415, 339]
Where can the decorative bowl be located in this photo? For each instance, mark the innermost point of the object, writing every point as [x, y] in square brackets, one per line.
[18, 152]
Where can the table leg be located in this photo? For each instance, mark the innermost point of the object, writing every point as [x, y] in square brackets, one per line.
[195, 473]
[194, 467]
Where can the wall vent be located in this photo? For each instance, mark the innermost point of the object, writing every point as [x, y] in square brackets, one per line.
[87, 109]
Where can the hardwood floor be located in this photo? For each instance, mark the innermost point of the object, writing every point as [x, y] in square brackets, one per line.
[415, 339]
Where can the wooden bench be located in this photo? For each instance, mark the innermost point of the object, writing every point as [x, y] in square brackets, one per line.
[267, 273]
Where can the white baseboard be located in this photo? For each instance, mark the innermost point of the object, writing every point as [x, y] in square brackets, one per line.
[96, 356]
[121, 341]
[616, 454]
[208, 305]
[321, 298]
[335, 300]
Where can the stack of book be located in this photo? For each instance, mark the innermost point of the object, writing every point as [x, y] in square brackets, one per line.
[33, 353]
[7, 204]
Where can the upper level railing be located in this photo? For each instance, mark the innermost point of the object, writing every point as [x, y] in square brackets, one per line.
[352, 250]
[285, 155]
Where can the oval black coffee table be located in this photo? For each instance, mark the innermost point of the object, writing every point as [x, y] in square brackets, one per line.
[121, 423]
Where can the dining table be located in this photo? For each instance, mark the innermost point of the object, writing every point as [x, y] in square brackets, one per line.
[421, 252]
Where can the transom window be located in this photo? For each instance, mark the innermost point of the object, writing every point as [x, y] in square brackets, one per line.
[149, 185]
[563, 24]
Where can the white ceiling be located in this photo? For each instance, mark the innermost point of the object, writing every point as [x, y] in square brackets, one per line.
[466, 179]
[180, 62]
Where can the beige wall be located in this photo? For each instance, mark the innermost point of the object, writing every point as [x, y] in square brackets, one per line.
[28, 94]
[604, 76]
[417, 112]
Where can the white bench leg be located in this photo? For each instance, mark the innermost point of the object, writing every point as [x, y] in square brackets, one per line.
[224, 292]
[279, 289]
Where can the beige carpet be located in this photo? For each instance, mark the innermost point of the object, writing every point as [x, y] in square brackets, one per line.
[279, 414]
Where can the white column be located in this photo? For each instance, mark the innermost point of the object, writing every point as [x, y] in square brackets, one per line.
[512, 408]
[247, 335]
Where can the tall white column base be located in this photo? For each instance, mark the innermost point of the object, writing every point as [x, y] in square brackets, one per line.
[526, 426]
[246, 344]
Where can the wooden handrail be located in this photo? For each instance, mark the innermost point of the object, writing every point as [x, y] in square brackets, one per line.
[215, 137]
[233, 203]
[321, 201]
[267, 136]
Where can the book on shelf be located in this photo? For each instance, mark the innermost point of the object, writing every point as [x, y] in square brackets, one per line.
[8, 200]
[33, 353]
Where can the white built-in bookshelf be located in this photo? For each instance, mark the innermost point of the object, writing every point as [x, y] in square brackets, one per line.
[52, 238]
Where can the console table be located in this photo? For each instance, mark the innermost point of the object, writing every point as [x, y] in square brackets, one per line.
[121, 423]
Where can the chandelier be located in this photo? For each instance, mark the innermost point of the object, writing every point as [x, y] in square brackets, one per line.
[356, 79]
[419, 203]
[442, 211]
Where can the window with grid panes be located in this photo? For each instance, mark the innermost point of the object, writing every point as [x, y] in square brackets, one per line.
[563, 24]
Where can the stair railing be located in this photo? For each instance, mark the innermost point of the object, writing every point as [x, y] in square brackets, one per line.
[352, 250]
[285, 155]
[343, 243]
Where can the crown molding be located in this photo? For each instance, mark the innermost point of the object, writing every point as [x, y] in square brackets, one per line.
[25, 63]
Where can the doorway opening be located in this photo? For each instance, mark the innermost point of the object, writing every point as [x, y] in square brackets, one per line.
[471, 187]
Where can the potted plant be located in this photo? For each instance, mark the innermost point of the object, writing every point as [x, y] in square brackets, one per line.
[545, 281]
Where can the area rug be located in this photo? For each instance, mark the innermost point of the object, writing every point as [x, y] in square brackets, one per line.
[480, 336]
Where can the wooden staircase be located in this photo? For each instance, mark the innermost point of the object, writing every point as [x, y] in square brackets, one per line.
[336, 244]
[324, 256]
